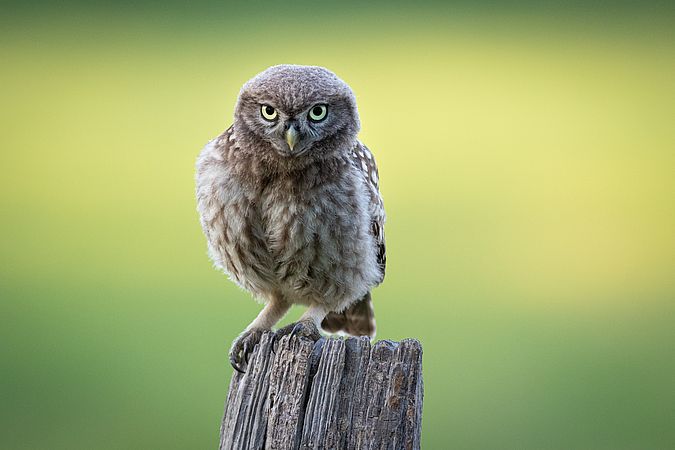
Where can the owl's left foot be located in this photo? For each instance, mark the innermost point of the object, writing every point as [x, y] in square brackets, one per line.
[302, 328]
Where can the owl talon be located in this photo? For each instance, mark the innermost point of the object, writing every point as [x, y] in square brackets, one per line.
[304, 328]
[235, 365]
[242, 347]
[247, 352]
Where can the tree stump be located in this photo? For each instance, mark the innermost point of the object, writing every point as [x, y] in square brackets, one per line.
[330, 394]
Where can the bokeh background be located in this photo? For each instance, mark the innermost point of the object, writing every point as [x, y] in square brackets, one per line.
[527, 160]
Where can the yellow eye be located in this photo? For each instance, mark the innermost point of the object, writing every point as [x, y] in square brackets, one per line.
[268, 112]
[317, 113]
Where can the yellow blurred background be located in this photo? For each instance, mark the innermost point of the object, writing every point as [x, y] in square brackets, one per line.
[527, 162]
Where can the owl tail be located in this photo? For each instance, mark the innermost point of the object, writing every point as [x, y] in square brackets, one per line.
[357, 320]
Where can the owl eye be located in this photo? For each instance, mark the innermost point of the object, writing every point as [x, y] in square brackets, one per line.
[268, 112]
[317, 113]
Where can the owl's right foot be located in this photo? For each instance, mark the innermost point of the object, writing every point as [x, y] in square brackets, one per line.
[243, 346]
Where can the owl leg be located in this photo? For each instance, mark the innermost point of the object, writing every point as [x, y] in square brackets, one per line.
[307, 326]
[244, 344]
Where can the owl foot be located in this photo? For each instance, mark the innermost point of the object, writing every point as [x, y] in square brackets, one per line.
[243, 346]
[302, 328]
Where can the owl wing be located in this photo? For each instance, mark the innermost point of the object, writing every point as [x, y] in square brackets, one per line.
[364, 161]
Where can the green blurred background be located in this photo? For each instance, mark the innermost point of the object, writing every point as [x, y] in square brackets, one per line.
[527, 160]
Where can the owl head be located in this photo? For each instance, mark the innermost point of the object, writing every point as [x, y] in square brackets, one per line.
[297, 112]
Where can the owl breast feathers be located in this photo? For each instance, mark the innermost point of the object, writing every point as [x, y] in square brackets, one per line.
[289, 198]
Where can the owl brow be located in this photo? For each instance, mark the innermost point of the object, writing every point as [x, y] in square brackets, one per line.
[255, 100]
[262, 102]
[323, 101]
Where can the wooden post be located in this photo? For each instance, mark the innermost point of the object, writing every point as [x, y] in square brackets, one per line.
[332, 394]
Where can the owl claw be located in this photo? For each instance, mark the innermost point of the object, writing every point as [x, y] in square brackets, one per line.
[248, 349]
[242, 347]
[303, 328]
[235, 364]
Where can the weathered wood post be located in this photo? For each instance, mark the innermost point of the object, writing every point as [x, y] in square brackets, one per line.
[332, 394]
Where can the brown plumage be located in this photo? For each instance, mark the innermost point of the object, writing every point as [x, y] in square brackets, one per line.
[289, 202]
[357, 320]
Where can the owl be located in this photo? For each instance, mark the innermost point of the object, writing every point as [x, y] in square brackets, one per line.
[289, 201]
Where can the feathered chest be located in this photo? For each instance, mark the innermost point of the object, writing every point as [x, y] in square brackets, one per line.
[302, 220]
[309, 234]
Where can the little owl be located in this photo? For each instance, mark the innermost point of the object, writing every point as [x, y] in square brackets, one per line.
[289, 202]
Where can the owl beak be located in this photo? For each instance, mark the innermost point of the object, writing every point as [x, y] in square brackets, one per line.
[291, 137]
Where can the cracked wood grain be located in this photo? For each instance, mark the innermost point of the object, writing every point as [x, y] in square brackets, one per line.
[330, 394]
